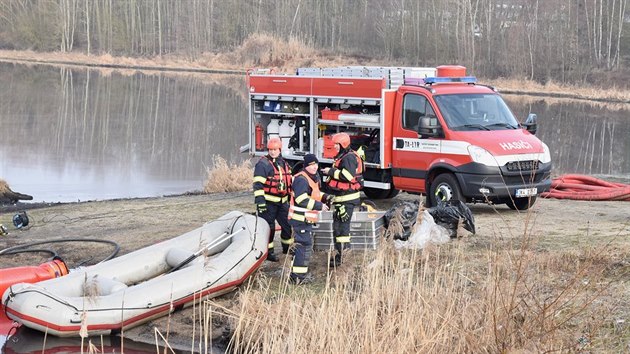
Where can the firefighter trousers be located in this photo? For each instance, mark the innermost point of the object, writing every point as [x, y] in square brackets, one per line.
[341, 229]
[278, 212]
[302, 248]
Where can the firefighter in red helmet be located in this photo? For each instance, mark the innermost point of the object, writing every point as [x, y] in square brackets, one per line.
[345, 181]
[272, 186]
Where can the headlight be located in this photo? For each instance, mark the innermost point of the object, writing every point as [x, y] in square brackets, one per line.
[482, 156]
[546, 155]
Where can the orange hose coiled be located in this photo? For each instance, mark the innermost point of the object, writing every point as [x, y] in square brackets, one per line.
[582, 187]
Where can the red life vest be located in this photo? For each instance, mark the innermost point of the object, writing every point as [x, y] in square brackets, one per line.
[357, 181]
[303, 214]
[280, 183]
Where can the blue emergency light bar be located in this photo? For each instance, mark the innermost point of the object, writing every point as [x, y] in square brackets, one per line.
[439, 80]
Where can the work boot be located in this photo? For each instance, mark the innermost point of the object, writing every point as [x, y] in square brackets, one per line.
[335, 261]
[272, 257]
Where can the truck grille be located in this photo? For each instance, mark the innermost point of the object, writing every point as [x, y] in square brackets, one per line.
[515, 166]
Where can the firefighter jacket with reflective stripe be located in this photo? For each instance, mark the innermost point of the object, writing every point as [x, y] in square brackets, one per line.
[272, 180]
[306, 201]
[346, 174]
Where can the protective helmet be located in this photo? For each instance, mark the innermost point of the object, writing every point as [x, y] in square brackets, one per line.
[274, 143]
[342, 139]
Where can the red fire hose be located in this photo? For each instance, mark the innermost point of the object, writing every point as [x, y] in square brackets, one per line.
[582, 187]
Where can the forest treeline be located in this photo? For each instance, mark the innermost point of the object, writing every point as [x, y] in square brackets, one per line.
[561, 40]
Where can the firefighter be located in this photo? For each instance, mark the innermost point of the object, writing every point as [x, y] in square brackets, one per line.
[306, 202]
[345, 180]
[272, 184]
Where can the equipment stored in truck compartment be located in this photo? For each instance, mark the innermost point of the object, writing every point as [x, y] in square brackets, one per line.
[434, 131]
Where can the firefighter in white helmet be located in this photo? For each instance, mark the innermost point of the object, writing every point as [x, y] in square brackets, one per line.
[306, 203]
[345, 180]
[272, 185]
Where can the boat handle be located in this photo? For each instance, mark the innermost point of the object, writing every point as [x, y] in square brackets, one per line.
[279, 81]
[345, 83]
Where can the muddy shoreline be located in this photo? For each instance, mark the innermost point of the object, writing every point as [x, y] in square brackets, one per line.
[136, 223]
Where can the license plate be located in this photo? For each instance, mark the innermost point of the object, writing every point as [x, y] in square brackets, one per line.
[526, 192]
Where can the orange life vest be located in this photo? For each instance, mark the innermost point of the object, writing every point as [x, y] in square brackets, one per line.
[303, 214]
[280, 183]
[357, 181]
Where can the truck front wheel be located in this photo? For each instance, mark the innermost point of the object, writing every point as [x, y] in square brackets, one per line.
[444, 188]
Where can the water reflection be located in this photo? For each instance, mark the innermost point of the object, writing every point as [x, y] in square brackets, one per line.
[583, 137]
[82, 134]
[27, 341]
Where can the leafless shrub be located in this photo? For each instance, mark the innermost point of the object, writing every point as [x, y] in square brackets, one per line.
[224, 177]
[4, 186]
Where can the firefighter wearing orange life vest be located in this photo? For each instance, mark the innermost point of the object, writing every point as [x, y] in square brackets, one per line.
[306, 203]
[272, 186]
[345, 182]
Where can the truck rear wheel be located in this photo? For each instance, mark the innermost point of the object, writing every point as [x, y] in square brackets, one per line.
[521, 203]
[376, 193]
[444, 188]
[393, 193]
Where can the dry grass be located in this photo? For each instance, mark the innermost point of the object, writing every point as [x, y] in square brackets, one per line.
[4, 186]
[264, 49]
[504, 297]
[551, 88]
[224, 177]
[286, 55]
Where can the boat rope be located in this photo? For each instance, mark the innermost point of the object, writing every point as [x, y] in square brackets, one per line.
[583, 187]
[208, 285]
[252, 248]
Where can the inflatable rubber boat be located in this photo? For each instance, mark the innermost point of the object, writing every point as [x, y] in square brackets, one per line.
[148, 283]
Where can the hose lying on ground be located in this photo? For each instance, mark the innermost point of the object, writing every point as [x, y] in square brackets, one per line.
[582, 187]
[26, 248]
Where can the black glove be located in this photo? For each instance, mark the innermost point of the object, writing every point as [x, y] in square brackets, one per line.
[340, 213]
[328, 199]
[261, 208]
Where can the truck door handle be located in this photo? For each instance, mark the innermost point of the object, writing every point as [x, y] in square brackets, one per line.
[279, 81]
[345, 82]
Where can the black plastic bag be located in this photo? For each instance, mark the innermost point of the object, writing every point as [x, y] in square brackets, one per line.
[401, 216]
[448, 215]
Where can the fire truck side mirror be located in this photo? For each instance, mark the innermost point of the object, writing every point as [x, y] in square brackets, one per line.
[429, 127]
[531, 123]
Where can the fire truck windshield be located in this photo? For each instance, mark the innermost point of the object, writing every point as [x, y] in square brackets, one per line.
[475, 112]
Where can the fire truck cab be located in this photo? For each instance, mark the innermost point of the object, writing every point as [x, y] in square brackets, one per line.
[422, 130]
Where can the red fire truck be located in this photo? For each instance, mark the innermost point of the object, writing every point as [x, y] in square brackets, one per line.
[422, 130]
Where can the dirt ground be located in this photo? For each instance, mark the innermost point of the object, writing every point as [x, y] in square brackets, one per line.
[135, 223]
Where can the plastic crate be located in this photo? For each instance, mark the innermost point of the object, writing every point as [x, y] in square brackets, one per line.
[329, 150]
[329, 114]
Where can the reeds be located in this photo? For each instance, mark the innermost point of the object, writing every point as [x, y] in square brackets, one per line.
[224, 177]
[4, 186]
[454, 298]
[551, 89]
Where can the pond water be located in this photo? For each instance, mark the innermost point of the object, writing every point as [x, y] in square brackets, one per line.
[584, 137]
[73, 135]
[28, 341]
[79, 134]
